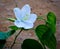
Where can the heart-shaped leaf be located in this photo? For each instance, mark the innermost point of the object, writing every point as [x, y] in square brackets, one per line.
[43, 32]
[31, 44]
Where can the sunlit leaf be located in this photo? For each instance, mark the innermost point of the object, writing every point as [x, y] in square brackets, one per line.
[51, 21]
[51, 18]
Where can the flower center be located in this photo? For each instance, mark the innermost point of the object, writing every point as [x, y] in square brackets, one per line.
[26, 17]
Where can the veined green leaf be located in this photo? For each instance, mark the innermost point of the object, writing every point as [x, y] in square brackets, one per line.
[46, 37]
[51, 42]
[41, 30]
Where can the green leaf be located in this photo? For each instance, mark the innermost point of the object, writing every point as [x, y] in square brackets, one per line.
[41, 30]
[50, 42]
[51, 21]
[11, 19]
[13, 27]
[2, 43]
[46, 37]
[51, 18]
[31, 44]
[5, 35]
[9, 33]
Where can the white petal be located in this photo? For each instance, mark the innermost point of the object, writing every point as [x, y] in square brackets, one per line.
[25, 25]
[19, 23]
[26, 10]
[28, 25]
[17, 13]
[32, 18]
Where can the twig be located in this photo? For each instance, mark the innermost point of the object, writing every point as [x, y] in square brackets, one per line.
[18, 33]
[15, 39]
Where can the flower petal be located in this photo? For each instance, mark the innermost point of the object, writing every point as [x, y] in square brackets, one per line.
[17, 13]
[28, 25]
[26, 10]
[25, 25]
[19, 23]
[32, 18]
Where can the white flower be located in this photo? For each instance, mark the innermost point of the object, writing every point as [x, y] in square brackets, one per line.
[24, 18]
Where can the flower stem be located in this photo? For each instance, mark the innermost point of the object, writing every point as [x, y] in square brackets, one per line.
[41, 18]
[15, 39]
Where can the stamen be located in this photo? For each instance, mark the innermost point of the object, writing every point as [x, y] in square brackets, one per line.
[26, 17]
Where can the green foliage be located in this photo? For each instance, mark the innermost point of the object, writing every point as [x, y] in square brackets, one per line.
[2, 43]
[45, 33]
[9, 33]
[11, 19]
[5, 35]
[51, 21]
[14, 27]
[31, 44]
[41, 30]
[51, 18]
[50, 42]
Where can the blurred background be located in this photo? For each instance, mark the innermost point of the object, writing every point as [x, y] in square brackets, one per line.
[40, 7]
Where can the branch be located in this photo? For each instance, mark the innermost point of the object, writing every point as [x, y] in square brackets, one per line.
[15, 39]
